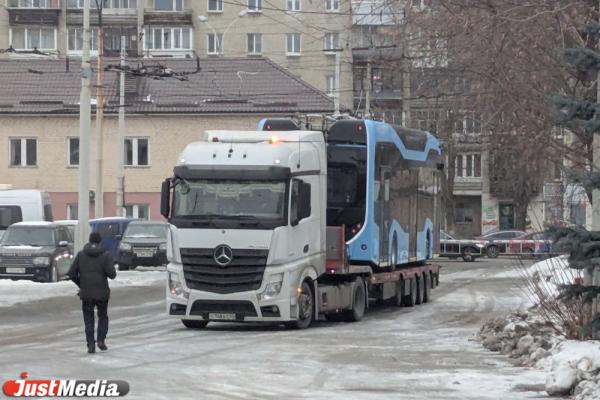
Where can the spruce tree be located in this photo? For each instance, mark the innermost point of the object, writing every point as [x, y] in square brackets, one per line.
[581, 116]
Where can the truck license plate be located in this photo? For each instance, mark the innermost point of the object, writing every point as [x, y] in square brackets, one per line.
[144, 253]
[15, 270]
[221, 316]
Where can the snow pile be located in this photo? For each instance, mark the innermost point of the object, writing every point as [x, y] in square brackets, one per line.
[14, 292]
[521, 335]
[573, 367]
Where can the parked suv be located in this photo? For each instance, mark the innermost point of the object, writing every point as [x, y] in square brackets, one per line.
[143, 243]
[40, 251]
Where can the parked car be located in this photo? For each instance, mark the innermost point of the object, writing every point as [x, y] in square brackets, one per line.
[467, 249]
[23, 205]
[532, 244]
[111, 229]
[144, 243]
[40, 251]
[497, 241]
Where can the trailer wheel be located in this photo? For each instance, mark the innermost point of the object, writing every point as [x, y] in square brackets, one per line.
[194, 323]
[467, 255]
[399, 297]
[427, 287]
[410, 299]
[305, 308]
[437, 279]
[432, 279]
[420, 289]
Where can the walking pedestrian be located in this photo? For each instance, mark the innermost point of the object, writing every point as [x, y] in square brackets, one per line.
[90, 270]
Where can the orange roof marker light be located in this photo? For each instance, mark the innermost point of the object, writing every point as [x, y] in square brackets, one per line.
[274, 140]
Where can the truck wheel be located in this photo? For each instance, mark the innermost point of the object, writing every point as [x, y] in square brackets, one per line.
[410, 299]
[398, 298]
[194, 323]
[123, 267]
[305, 308]
[420, 289]
[358, 302]
[427, 287]
[492, 251]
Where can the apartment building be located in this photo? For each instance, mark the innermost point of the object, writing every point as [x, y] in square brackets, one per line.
[302, 36]
[39, 122]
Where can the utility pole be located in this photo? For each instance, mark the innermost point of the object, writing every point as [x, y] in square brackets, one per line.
[85, 112]
[121, 136]
[99, 205]
[368, 89]
[338, 54]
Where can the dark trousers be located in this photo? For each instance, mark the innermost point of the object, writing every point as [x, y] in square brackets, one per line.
[88, 318]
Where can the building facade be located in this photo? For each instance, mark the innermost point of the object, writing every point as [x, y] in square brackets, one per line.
[300, 35]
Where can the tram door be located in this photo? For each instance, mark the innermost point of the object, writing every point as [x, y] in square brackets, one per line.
[384, 219]
[414, 215]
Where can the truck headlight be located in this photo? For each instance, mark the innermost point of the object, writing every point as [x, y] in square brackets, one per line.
[125, 246]
[273, 287]
[162, 246]
[41, 261]
[175, 286]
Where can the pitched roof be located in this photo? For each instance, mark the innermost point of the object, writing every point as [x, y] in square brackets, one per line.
[223, 85]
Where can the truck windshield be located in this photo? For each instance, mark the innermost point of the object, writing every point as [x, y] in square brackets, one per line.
[231, 203]
[9, 215]
[28, 236]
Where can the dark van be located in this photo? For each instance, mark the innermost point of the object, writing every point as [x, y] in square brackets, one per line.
[111, 229]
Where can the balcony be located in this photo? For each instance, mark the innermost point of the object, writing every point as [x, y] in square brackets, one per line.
[33, 12]
[168, 18]
[468, 186]
[115, 12]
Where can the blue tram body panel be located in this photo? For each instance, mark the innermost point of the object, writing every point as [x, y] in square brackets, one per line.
[384, 233]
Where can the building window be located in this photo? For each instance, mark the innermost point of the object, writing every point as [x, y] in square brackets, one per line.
[254, 43]
[33, 38]
[141, 211]
[330, 85]
[30, 4]
[255, 5]
[76, 4]
[577, 214]
[136, 152]
[75, 39]
[215, 43]
[332, 41]
[215, 5]
[23, 152]
[332, 5]
[73, 151]
[168, 5]
[293, 44]
[120, 4]
[167, 39]
[463, 214]
[468, 166]
[557, 170]
[293, 5]
[72, 211]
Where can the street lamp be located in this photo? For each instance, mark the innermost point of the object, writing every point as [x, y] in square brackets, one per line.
[203, 19]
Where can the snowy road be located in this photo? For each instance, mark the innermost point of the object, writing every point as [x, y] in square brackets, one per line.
[426, 352]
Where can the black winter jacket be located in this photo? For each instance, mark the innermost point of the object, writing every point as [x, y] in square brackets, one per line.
[89, 271]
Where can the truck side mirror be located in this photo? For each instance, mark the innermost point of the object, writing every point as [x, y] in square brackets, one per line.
[165, 198]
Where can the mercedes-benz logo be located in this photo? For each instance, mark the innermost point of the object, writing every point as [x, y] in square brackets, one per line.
[223, 255]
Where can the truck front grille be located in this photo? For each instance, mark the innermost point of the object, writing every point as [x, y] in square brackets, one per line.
[205, 307]
[244, 273]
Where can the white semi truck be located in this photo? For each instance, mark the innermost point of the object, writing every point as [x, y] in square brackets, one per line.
[282, 226]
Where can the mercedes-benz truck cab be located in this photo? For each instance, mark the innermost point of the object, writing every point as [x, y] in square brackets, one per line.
[247, 239]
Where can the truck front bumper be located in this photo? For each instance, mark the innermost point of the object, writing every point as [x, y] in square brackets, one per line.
[248, 306]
